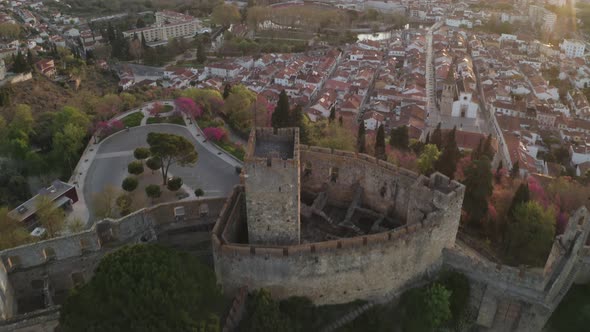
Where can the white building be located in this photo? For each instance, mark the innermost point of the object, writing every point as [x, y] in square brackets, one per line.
[573, 48]
[168, 25]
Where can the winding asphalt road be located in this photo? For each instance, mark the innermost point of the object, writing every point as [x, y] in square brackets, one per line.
[211, 173]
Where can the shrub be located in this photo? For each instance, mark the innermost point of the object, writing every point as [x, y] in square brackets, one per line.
[174, 184]
[135, 167]
[199, 192]
[154, 164]
[124, 204]
[153, 191]
[130, 183]
[141, 153]
[214, 134]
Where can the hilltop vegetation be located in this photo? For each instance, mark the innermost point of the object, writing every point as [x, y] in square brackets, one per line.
[105, 7]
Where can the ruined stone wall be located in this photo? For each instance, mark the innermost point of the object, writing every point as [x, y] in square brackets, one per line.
[522, 299]
[386, 186]
[272, 199]
[342, 270]
[73, 258]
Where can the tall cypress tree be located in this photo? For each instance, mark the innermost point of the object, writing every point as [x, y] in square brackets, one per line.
[30, 58]
[380, 143]
[478, 189]
[399, 138]
[360, 139]
[332, 116]
[521, 196]
[20, 64]
[476, 154]
[499, 172]
[280, 117]
[515, 171]
[226, 91]
[201, 56]
[487, 147]
[436, 137]
[340, 121]
[447, 163]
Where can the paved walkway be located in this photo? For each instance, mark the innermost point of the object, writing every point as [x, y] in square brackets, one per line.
[80, 209]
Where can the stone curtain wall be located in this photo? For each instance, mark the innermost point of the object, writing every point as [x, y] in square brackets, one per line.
[535, 292]
[57, 259]
[386, 186]
[343, 270]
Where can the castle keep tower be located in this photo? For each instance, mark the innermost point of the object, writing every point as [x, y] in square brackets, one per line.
[271, 179]
[449, 92]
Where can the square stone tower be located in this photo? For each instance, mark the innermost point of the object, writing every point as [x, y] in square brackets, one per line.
[271, 179]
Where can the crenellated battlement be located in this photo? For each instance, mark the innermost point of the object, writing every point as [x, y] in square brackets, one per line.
[64, 261]
[427, 207]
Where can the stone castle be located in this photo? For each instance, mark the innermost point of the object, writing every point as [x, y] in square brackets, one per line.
[330, 225]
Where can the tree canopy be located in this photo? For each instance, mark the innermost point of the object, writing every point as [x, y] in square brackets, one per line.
[145, 288]
[171, 149]
[427, 159]
[478, 189]
[530, 235]
[226, 14]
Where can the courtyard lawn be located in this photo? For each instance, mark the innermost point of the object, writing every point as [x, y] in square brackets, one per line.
[133, 119]
[175, 119]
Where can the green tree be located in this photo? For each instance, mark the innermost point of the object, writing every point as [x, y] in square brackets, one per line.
[104, 203]
[141, 153]
[399, 138]
[447, 163]
[380, 144]
[50, 217]
[135, 167]
[360, 139]
[428, 157]
[436, 137]
[174, 184]
[499, 172]
[153, 191]
[332, 116]
[154, 164]
[124, 202]
[530, 236]
[12, 234]
[515, 171]
[426, 308]
[67, 145]
[280, 116]
[238, 108]
[171, 149]
[226, 91]
[70, 115]
[129, 183]
[226, 14]
[201, 55]
[145, 288]
[199, 192]
[478, 189]
[264, 314]
[20, 64]
[487, 148]
[521, 196]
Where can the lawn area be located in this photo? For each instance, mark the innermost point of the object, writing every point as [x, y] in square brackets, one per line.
[176, 119]
[168, 108]
[133, 119]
